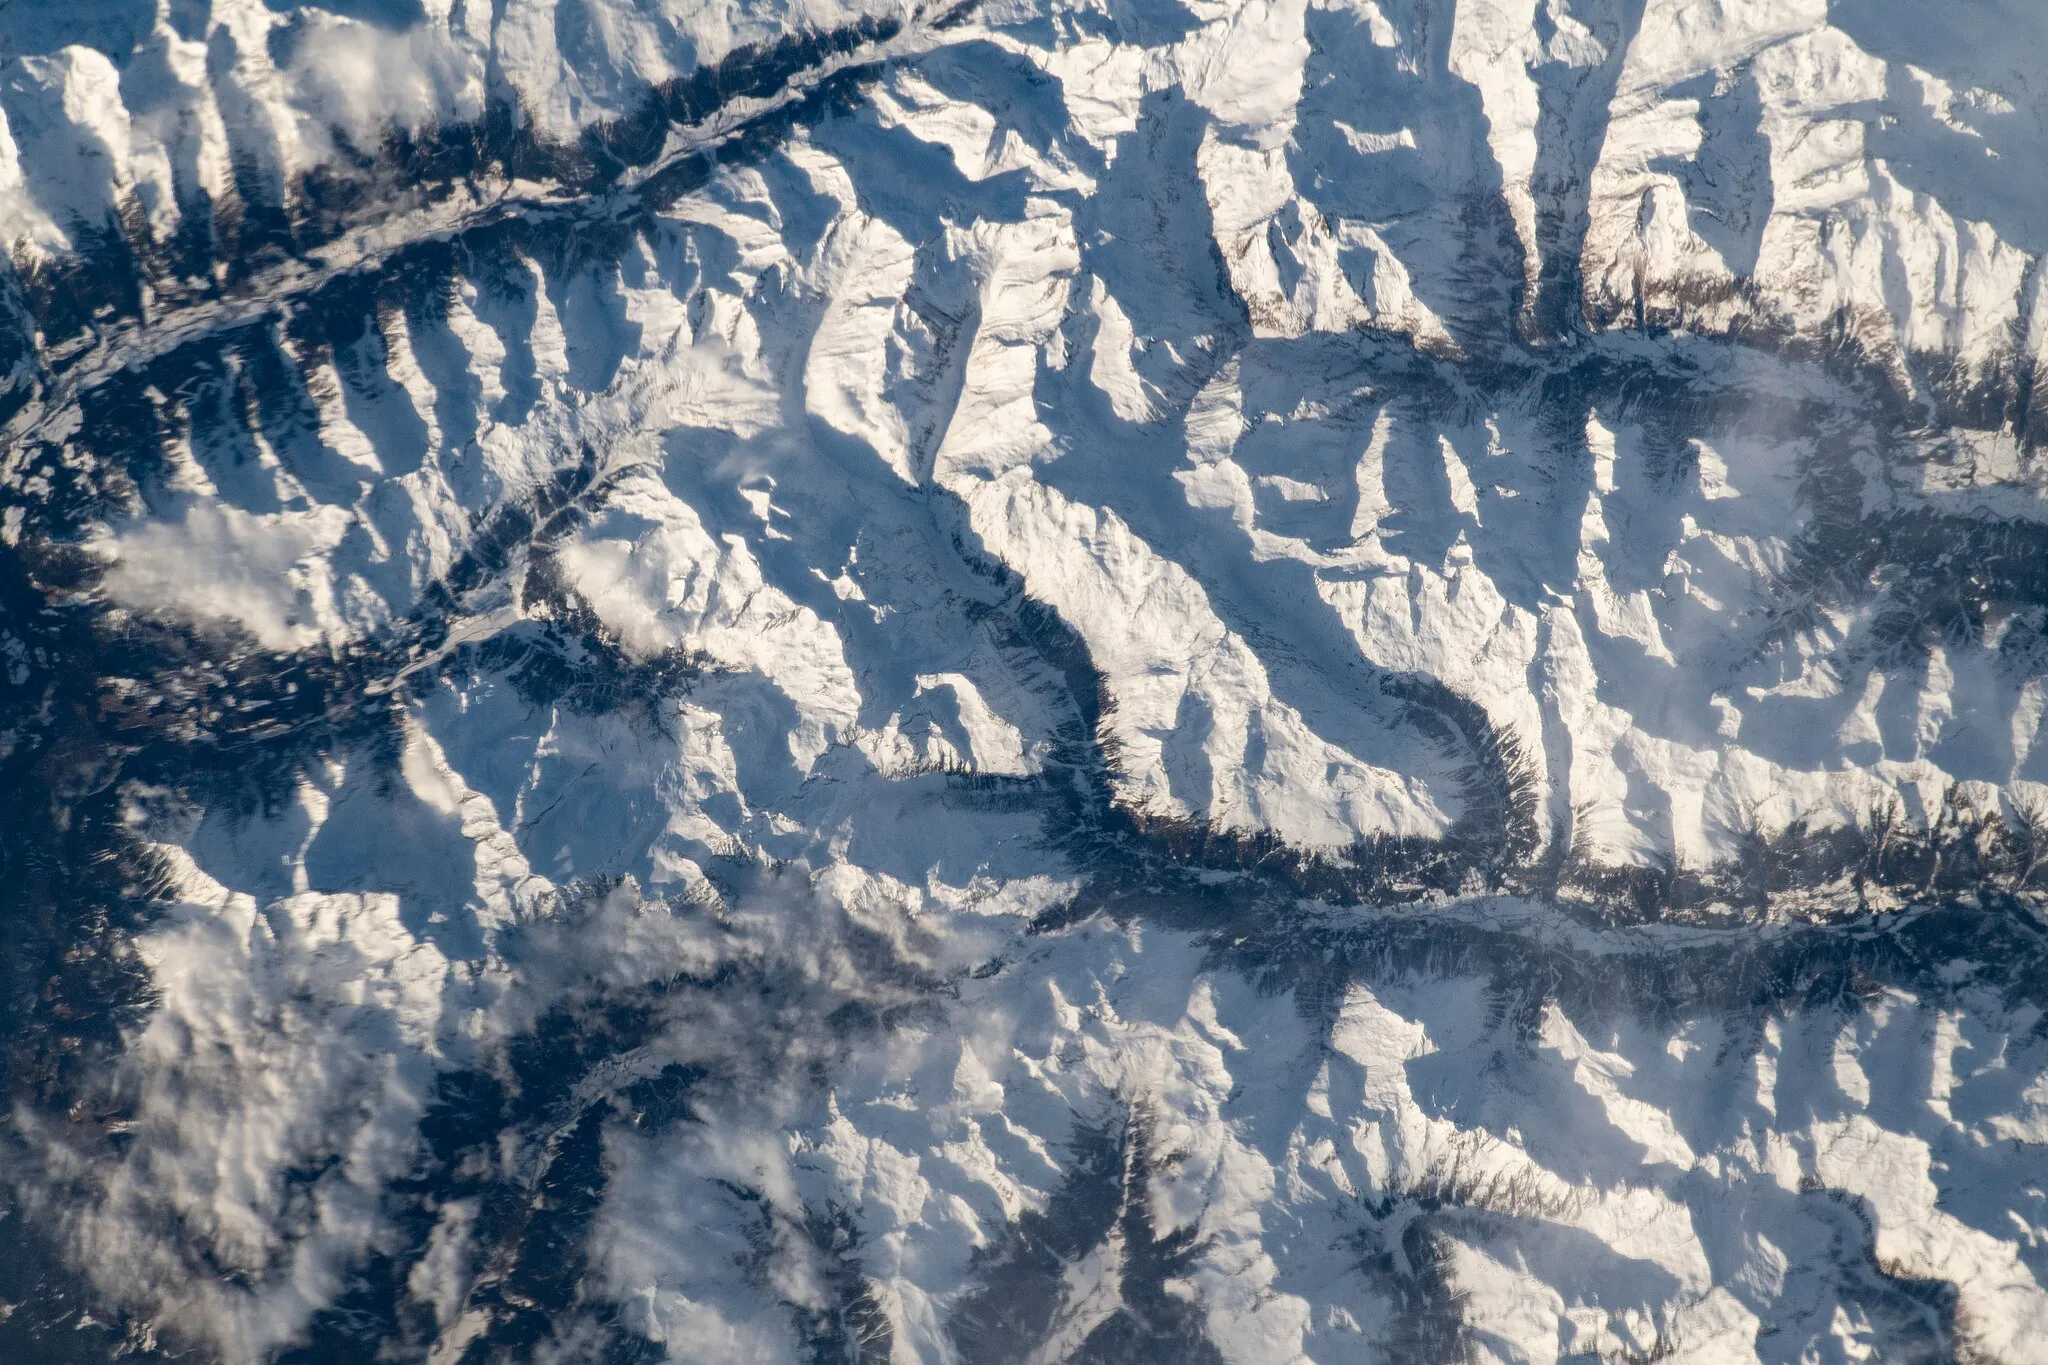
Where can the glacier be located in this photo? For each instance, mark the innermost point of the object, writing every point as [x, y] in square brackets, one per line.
[1047, 680]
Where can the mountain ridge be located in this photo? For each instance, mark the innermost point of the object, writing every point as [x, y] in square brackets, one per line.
[1096, 681]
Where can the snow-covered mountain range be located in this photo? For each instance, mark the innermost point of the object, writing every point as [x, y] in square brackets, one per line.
[1025, 681]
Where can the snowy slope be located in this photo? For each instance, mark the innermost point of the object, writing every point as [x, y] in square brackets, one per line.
[1027, 682]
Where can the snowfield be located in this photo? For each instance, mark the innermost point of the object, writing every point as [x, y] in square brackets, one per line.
[1025, 682]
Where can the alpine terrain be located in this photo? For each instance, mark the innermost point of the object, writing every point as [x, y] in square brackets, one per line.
[995, 682]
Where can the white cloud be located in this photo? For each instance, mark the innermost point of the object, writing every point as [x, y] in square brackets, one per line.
[367, 81]
[276, 1091]
[264, 573]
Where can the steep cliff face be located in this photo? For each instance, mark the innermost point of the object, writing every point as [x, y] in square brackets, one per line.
[1103, 682]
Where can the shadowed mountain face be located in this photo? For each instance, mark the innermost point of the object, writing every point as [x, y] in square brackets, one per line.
[1152, 682]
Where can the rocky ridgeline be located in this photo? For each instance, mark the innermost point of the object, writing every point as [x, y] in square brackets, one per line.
[1263, 683]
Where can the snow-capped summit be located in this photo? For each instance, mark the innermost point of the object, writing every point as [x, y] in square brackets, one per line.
[1026, 682]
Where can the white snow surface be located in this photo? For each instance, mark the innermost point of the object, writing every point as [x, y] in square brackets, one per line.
[1129, 309]
[993, 282]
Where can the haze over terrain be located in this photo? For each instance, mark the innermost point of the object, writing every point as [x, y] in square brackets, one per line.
[1241, 681]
